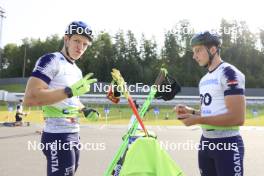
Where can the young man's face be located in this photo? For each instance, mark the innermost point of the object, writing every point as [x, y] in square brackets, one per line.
[200, 55]
[77, 44]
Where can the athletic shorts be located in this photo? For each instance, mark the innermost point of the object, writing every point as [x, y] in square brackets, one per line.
[221, 156]
[62, 153]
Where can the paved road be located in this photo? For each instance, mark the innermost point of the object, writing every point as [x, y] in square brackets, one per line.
[102, 142]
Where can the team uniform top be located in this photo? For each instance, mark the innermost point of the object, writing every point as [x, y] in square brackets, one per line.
[58, 72]
[223, 81]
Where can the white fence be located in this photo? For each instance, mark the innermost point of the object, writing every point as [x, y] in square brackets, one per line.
[101, 99]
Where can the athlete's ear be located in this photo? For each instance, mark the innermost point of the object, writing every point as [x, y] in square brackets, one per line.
[213, 49]
[66, 38]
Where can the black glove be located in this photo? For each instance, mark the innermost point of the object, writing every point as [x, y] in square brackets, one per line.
[175, 88]
[90, 113]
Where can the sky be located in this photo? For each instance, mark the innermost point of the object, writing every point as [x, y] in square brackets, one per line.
[42, 18]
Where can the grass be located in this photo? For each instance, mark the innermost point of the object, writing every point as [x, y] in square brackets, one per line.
[117, 115]
[121, 115]
[13, 87]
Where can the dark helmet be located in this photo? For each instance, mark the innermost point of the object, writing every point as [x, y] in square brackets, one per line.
[206, 38]
[81, 28]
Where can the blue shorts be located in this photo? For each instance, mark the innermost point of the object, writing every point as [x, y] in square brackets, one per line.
[62, 153]
[221, 156]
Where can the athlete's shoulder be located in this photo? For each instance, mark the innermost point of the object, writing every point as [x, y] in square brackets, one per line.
[49, 57]
[47, 67]
[230, 71]
[49, 60]
[232, 80]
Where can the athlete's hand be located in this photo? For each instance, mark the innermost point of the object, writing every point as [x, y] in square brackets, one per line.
[83, 85]
[183, 109]
[189, 119]
[90, 113]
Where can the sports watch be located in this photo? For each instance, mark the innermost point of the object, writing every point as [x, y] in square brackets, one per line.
[68, 92]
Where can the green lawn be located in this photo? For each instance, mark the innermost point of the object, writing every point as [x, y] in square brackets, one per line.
[121, 115]
[13, 87]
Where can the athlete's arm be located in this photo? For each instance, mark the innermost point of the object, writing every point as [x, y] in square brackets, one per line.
[235, 114]
[233, 84]
[183, 109]
[20, 113]
[38, 94]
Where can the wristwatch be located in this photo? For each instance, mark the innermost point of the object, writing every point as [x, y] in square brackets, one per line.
[68, 92]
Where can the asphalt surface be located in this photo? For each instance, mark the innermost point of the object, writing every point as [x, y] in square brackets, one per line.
[17, 156]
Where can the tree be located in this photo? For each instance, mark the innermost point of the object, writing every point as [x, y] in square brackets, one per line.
[149, 60]
[141, 62]
[99, 59]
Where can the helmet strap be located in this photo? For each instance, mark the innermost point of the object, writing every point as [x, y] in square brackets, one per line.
[211, 57]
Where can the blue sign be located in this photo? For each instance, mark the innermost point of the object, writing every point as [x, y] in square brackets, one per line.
[156, 111]
[106, 110]
[255, 112]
